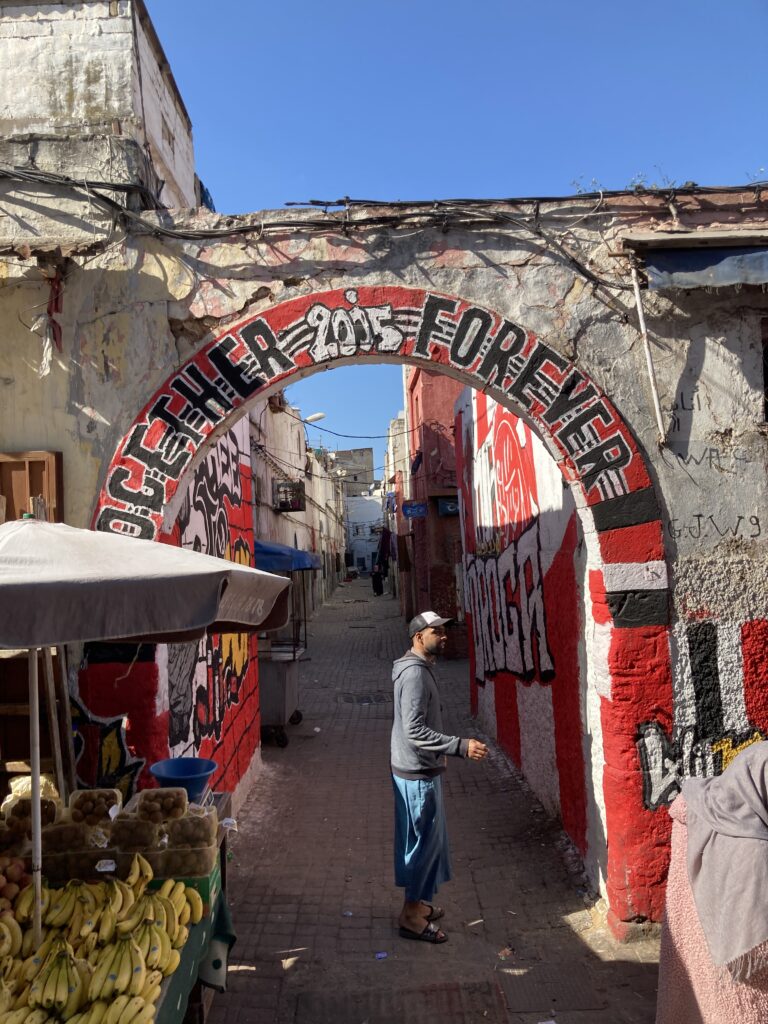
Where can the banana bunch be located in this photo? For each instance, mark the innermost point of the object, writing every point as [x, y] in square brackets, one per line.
[25, 1016]
[119, 970]
[140, 874]
[59, 986]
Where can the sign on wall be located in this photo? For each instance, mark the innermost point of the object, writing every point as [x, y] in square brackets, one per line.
[415, 509]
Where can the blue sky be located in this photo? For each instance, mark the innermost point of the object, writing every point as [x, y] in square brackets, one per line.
[419, 99]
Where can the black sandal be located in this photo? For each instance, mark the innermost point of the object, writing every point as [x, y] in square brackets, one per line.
[435, 913]
[430, 934]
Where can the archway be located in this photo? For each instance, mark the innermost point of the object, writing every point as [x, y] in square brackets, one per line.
[595, 450]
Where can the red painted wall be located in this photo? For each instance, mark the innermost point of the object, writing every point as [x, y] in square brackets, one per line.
[198, 699]
[522, 600]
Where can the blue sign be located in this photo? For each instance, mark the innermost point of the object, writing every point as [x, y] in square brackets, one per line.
[415, 509]
[447, 506]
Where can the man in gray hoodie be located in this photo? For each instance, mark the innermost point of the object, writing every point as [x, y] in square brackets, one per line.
[418, 751]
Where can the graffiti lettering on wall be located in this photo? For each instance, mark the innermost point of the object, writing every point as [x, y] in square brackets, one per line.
[711, 720]
[205, 678]
[101, 752]
[701, 525]
[490, 350]
[505, 599]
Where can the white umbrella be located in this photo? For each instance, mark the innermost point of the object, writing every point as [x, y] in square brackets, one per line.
[62, 585]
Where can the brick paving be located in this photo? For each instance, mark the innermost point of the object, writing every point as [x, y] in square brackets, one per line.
[310, 879]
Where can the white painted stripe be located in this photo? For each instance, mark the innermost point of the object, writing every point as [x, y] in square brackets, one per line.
[683, 696]
[731, 671]
[635, 576]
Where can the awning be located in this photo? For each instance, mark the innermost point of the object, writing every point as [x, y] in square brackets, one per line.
[273, 557]
[706, 268]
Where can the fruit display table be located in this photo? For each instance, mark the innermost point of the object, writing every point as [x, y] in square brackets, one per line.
[175, 998]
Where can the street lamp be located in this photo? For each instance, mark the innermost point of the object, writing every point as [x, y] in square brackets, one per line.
[314, 417]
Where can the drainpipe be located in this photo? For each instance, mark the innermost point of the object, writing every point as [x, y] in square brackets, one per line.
[648, 357]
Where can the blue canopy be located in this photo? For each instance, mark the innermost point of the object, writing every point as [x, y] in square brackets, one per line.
[273, 557]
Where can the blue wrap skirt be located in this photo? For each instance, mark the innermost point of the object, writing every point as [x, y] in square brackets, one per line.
[422, 858]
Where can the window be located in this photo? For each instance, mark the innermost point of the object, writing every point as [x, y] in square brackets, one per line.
[31, 482]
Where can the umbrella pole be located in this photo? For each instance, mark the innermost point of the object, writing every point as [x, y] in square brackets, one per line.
[34, 764]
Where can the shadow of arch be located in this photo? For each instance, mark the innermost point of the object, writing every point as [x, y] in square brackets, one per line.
[595, 450]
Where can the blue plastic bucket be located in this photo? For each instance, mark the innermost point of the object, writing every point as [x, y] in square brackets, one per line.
[190, 773]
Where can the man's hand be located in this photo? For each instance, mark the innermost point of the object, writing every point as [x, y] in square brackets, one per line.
[476, 750]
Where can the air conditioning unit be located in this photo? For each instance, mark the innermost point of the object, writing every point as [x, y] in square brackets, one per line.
[288, 496]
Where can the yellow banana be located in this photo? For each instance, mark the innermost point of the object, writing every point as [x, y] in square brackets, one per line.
[19, 1012]
[6, 939]
[181, 937]
[173, 963]
[75, 922]
[186, 913]
[166, 888]
[145, 1015]
[171, 916]
[125, 968]
[74, 995]
[155, 949]
[36, 1017]
[177, 895]
[135, 872]
[138, 969]
[27, 942]
[106, 926]
[6, 997]
[98, 1011]
[12, 925]
[113, 896]
[101, 973]
[145, 869]
[157, 910]
[25, 903]
[195, 904]
[117, 1007]
[165, 948]
[152, 980]
[127, 896]
[151, 995]
[131, 1008]
[62, 909]
[63, 985]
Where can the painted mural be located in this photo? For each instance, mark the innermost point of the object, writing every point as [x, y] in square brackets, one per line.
[519, 540]
[137, 705]
[720, 706]
[627, 601]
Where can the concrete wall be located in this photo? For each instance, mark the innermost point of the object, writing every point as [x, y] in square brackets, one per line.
[673, 536]
[86, 91]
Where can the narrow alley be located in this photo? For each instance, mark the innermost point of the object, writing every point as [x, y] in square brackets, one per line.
[310, 876]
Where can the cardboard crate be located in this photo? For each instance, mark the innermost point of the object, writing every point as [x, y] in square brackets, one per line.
[209, 886]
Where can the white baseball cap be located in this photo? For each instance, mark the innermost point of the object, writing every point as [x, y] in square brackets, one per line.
[423, 621]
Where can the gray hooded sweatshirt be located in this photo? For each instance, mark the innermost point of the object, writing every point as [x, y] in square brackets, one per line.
[418, 741]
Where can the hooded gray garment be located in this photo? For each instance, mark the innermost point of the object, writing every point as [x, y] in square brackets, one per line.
[728, 859]
[418, 742]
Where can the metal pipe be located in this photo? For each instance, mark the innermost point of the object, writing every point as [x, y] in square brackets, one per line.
[648, 357]
[34, 765]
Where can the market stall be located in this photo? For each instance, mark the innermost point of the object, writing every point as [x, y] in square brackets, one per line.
[128, 889]
[280, 650]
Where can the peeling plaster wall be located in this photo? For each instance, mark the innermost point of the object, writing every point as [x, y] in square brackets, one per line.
[94, 89]
[661, 703]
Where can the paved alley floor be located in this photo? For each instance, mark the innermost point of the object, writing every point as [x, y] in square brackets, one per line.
[310, 878]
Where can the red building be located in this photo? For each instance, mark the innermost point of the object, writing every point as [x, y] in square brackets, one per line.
[435, 539]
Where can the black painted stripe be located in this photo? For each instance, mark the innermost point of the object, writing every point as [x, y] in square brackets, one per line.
[626, 510]
[705, 676]
[120, 653]
[631, 608]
